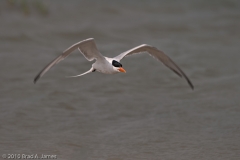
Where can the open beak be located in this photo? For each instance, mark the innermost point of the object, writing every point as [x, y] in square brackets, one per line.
[122, 70]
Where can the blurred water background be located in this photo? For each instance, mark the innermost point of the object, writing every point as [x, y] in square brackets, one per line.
[149, 113]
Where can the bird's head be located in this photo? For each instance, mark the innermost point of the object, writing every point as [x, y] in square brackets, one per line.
[117, 66]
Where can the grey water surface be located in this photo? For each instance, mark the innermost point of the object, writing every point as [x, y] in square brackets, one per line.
[149, 113]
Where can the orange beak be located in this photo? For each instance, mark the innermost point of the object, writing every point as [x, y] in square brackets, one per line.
[122, 70]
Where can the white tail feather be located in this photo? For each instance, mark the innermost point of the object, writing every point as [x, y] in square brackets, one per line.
[91, 70]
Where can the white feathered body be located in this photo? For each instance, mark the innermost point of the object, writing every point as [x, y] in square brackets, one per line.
[105, 66]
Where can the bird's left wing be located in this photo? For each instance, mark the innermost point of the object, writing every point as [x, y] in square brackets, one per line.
[87, 47]
[161, 56]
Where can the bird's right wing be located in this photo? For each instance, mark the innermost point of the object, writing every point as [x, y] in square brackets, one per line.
[87, 47]
[159, 55]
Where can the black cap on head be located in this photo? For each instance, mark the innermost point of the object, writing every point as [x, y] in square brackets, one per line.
[116, 64]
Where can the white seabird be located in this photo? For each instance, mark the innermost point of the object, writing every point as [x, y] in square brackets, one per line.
[112, 65]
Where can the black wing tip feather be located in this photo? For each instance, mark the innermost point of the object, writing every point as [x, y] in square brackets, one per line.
[36, 79]
[188, 81]
[190, 84]
[182, 74]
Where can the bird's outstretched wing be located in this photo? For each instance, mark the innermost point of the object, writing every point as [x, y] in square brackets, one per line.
[87, 47]
[158, 55]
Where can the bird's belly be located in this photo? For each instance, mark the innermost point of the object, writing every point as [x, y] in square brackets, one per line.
[106, 69]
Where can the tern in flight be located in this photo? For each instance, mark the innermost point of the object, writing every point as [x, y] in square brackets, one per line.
[112, 65]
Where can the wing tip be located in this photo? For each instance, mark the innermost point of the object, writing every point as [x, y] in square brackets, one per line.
[36, 79]
[192, 87]
[190, 84]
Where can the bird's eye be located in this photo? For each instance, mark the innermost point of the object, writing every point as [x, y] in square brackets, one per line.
[116, 64]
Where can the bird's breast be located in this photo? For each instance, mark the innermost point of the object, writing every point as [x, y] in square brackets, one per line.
[104, 68]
